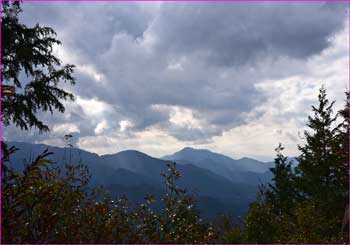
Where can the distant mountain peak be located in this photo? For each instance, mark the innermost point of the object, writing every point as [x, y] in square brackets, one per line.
[192, 154]
[188, 148]
[127, 154]
[217, 162]
[132, 152]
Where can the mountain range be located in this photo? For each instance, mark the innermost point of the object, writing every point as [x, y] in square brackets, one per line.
[221, 184]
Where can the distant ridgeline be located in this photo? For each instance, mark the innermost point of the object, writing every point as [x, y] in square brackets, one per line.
[221, 184]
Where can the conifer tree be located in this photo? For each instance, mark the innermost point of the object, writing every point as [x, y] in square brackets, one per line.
[316, 162]
[30, 71]
[322, 173]
[268, 217]
[341, 151]
[341, 172]
[282, 194]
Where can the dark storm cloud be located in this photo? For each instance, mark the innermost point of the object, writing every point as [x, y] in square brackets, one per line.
[206, 57]
[237, 33]
[87, 27]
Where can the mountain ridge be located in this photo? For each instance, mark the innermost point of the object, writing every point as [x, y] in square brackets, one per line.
[131, 170]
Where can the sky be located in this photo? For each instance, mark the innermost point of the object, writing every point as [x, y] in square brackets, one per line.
[235, 78]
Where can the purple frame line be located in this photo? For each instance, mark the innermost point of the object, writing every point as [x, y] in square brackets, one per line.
[348, 131]
[1, 133]
[184, 0]
[176, 1]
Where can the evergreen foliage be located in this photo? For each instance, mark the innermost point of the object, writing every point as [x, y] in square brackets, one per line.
[30, 71]
[307, 204]
[282, 193]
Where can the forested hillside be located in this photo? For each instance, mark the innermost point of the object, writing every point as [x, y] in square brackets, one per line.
[136, 174]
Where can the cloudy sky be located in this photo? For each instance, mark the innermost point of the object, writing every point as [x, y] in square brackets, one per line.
[236, 78]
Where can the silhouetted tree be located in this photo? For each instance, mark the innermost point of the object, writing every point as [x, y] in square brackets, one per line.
[323, 163]
[308, 204]
[282, 193]
[30, 71]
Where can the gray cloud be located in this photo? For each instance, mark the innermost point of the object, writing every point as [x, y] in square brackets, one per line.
[87, 27]
[206, 57]
[239, 33]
